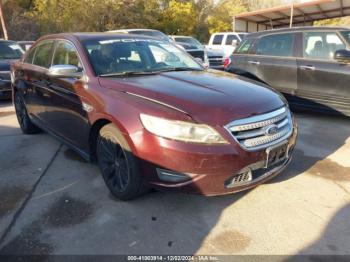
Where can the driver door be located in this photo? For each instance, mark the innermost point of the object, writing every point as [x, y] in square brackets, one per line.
[68, 108]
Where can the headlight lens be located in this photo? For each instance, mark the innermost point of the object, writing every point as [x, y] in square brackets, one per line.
[181, 131]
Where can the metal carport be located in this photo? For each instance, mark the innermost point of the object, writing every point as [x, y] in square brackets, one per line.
[297, 14]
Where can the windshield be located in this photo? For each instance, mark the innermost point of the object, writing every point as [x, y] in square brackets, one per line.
[190, 41]
[152, 33]
[346, 35]
[10, 50]
[117, 56]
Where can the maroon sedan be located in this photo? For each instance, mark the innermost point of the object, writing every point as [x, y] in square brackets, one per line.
[151, 116]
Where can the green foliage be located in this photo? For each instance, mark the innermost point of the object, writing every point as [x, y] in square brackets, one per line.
[30, 19]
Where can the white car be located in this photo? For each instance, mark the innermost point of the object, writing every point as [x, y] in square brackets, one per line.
[225, 42]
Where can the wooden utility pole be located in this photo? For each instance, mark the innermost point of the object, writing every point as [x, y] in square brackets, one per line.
[4, 30]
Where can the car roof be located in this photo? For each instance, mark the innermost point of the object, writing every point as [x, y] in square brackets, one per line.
[134, 29]
[228, 33]
[6, 41]
[182, 36]
[97, 35]
[296, 29]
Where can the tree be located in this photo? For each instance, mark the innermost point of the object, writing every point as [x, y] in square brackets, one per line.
[221, 18]
[3, 24]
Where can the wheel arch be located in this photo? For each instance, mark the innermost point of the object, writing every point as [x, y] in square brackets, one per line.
[98, 123]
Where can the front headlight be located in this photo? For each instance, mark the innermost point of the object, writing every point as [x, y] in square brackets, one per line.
[181, 131]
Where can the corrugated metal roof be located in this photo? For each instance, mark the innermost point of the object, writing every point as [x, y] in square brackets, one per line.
[303, 13]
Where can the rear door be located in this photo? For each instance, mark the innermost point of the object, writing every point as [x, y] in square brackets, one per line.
[274, 62]
[35, 82]
[322, 81]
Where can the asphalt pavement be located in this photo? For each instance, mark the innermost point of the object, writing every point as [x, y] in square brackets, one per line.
[53, 202]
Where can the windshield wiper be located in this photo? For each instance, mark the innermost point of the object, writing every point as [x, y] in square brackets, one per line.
[169, 69]
[129, 73]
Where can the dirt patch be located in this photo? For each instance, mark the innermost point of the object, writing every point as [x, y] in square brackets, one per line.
[230, 241]
[316, 166]
[72, 155]
[28, 242]
[7, 113]
[67, 211]
[329, 169]
[10, 198]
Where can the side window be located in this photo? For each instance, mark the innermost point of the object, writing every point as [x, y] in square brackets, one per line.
[65, 54]
[43, 55]
[244, 47]
[321, 45]
[29, 57]
[230, 38]
[217, 39]
[275, 45]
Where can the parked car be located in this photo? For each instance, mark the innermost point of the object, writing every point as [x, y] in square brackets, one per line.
[147, 32]
[162, 122]
[9, 52]
[225, 42]
[192, 46]
[216, 59]
[310, 65]
[25, 45]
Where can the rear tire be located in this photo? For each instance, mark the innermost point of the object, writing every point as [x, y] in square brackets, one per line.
[24, 121]
[119, 167]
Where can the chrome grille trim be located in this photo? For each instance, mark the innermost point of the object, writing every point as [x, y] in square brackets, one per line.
[251, 134]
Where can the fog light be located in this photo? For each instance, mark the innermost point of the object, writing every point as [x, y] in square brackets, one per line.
[241, 178]
[171, 176]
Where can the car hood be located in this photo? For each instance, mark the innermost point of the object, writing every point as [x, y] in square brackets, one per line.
[210, 96]
[5, 65]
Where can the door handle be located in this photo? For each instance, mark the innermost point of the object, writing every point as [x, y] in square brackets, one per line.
[254, 62]
[307, 67]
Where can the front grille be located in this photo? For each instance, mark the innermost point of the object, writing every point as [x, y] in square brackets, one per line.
[262, 131]
[216, 61]
[5, 75]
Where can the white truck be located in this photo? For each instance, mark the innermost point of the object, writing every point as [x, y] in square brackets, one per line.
[225, 42]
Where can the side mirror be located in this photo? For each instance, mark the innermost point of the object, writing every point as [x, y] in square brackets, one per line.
[235, 42]
[342, 56]
[64, 71]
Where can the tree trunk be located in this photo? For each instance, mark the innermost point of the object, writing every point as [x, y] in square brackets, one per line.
[3, 21]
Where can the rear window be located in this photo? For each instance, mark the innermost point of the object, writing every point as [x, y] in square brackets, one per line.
[218, 39]
[276, 45]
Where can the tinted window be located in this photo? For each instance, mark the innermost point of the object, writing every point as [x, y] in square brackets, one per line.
[29, 57]
[275, 45]
[230, 38]
[346, 35]
[10, 50]
[217, 39]
[321, 45]
[43, 55]
[65, 54]
[244, 47]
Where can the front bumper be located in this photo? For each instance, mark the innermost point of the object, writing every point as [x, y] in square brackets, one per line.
[5, 88]
[209, 168]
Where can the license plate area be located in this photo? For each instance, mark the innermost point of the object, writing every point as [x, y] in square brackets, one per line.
[276, 154]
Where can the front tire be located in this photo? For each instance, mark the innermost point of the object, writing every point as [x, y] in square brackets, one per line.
[119, 167]
[24, 121]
